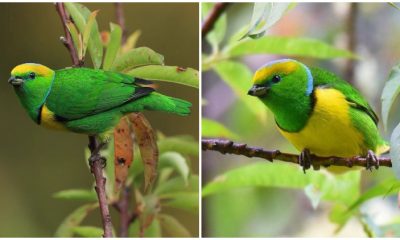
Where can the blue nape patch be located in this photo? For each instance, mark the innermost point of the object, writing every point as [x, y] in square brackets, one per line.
[310, 80]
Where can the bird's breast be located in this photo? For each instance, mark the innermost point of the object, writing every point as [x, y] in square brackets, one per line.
[329, 130]
[48, 119]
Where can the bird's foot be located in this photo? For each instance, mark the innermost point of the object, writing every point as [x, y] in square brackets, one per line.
[95, 156]
[372, 160]
[305, 159]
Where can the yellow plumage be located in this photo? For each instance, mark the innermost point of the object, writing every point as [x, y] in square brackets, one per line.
[48, 120]
[32, 67]
[329, 131]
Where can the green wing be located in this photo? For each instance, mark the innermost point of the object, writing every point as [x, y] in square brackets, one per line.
[81, 92]
[324, 78]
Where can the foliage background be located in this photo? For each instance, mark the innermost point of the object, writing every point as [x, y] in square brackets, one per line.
[36, 162]
[258, 211]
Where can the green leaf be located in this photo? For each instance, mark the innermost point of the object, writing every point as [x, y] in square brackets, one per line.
[80, 14]
[395, 150]
[211, 128]
[76, 194]
[131, 41]
[113, 46]
[265, 15]
[290, 46]
[343, 188]
[185, 76]
[74, 219]
[152, 231]
[177, 184]
[390, 92]
[173, 226]
[88, 231]
[76, 38]
[217, 34]
[188, 201]
[385, 188]
[340, 215]
[239, 77]
[182, 144]
[177, 161]
[88, 30]
[136, 58]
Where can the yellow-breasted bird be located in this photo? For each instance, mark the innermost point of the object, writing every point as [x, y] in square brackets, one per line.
[318, 112]
[84, 100]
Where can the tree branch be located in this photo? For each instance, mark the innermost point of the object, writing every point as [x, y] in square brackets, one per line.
[227, 146]
[119, 13]
[94, 146]
[351, 32]
[212, 18]
[123, 208]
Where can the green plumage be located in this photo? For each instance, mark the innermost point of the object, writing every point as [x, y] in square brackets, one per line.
[86, 100]
[317, 110]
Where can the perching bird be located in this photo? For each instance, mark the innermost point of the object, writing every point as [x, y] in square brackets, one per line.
[84, 100]
[318, 112]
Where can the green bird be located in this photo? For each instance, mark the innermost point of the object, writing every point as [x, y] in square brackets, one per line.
[318, 112]
[84, 100]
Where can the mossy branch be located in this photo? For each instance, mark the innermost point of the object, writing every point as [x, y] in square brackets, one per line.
[226, 146]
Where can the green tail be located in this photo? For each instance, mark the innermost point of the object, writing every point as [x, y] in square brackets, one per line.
[159, 102]
[182, 107]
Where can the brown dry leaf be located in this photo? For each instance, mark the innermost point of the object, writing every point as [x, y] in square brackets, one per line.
[123, 152]
[145, 138]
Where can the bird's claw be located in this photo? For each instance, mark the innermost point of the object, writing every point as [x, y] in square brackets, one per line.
[97, 157]
[305, 159]
[372, 160]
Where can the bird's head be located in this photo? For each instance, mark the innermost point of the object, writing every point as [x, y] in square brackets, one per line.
[30, 74]
[283, 79]
[32, 84]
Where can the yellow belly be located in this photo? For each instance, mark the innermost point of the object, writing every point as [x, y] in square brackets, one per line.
[329, 131]
[48, 120]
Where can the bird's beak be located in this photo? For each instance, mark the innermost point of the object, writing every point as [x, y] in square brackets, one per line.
[15, 81]
[258, 91]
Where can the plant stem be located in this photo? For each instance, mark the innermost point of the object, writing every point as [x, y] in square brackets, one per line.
[67, 40]
[212, 18]
[351, 32]
[226, 146]
[119, 13]
[94, 146]
[123, 207]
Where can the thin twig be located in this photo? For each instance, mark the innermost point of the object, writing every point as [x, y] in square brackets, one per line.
[119, 13]
[67, 40]
[123, 206]
[212, 18]
[94, 145]
[227, 146]
[351, 32]
[96, 167]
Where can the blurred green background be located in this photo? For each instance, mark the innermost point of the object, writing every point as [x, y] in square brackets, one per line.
[36, 162]
[273, 212]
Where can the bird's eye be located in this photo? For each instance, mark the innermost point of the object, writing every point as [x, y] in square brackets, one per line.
[32, 75]
[276, 79]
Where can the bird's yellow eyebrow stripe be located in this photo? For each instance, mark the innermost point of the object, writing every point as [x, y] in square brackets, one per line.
[283, 67]
[28, 67]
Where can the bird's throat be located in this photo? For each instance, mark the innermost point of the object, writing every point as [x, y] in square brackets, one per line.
[292, 115]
